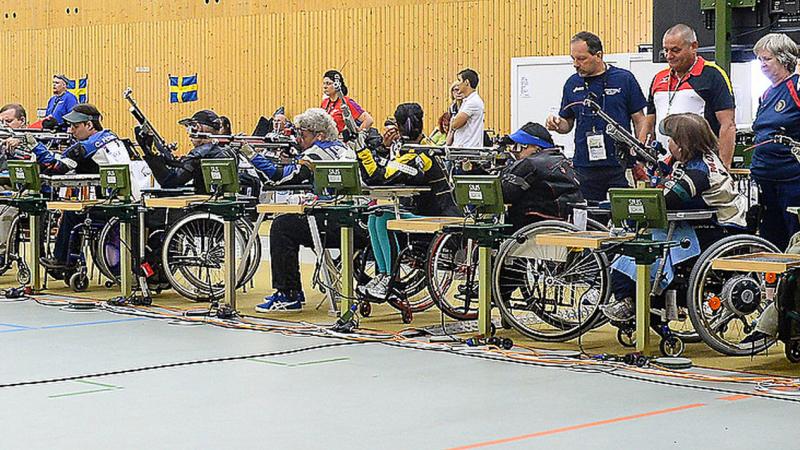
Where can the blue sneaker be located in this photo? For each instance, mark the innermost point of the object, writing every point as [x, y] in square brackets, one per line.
[282, 302]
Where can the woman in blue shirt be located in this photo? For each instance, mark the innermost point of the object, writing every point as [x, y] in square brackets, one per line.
[774, 167]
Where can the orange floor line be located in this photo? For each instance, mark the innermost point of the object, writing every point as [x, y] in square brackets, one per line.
[580, 427]
[733, 398]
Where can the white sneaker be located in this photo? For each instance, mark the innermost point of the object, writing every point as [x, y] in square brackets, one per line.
[620, 311]
[381, 287]
[364, 288]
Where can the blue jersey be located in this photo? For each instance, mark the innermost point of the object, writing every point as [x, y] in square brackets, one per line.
[778, 113]
[620, 96]
[60, 105]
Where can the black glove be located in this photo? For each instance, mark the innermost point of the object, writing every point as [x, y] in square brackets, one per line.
[373, 140]
[347, 136]
[76, 152]
[49, 123]
[145, 140]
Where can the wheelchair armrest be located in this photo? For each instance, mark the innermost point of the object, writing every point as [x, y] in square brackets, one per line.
[168, 192]
[691, 215]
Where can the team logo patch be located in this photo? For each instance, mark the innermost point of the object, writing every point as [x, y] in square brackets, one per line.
[780, 106]
[613, 91]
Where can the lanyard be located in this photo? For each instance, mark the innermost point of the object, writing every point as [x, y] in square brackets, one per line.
[331, 105]
[602, 101]
[670, 93]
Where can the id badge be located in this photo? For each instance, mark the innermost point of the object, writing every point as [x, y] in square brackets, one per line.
[597, 146]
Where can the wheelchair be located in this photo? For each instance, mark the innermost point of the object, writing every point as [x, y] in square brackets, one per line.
[14, 236]
[82, 237]
[550, 293]
[453, 263]
[193, 253]
[406, 290]
[183, 250]
[553, 293]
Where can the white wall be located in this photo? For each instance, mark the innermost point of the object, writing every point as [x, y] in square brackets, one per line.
[537, 83]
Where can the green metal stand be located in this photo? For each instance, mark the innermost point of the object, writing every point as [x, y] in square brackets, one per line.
[643, 308]
[346, 215]
[229, 266]
[722, 34]
[35, 227]
[484, 290]
[488, 236]
[126, 213]
[644, 252]
[230, 210]
[723, 19]
[348, 292]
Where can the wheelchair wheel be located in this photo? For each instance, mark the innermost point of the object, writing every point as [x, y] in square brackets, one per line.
[452, 275]
[193, 256]
[108, 250]
[724, 305]
[549, 293]
[12, 245]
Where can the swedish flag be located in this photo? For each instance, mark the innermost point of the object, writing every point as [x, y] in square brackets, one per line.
[183, 89]
[79, 88]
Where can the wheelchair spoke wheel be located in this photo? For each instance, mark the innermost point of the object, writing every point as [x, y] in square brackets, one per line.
[549, 293]
[723, 305]
[194, 256]
[452, 275]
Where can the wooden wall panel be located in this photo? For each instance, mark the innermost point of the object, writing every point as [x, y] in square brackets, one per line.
[252, 56]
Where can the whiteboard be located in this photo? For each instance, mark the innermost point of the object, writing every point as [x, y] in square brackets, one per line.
[537, 83]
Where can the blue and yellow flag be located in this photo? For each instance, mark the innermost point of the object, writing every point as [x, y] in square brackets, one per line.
[183, 89]
[79, 88]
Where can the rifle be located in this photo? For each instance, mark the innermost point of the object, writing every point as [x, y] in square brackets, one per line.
[21, 133]
[165, 150]
[621, 135]
[496, 157]
[47, 137]
[479, 154]
[794, 146]
[349, 121]
[270, 146]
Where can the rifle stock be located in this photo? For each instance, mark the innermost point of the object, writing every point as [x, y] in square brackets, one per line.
[165, 150]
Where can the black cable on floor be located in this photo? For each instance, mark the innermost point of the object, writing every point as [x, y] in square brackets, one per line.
[181, 364]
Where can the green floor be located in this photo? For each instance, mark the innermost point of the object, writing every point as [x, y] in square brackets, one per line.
[384, 317]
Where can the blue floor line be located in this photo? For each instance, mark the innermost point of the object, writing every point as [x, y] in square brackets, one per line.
[69, 325]
[99, 322]
[11, 325]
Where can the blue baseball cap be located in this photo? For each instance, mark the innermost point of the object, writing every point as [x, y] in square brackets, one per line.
[533, 134]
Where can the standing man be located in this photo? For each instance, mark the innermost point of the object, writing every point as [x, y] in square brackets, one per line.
[618, 94]
[691, 84]
[59, 104]
[466, 127]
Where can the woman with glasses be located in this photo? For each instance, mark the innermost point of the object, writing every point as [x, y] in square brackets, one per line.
[774, 167]
[317, 137]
